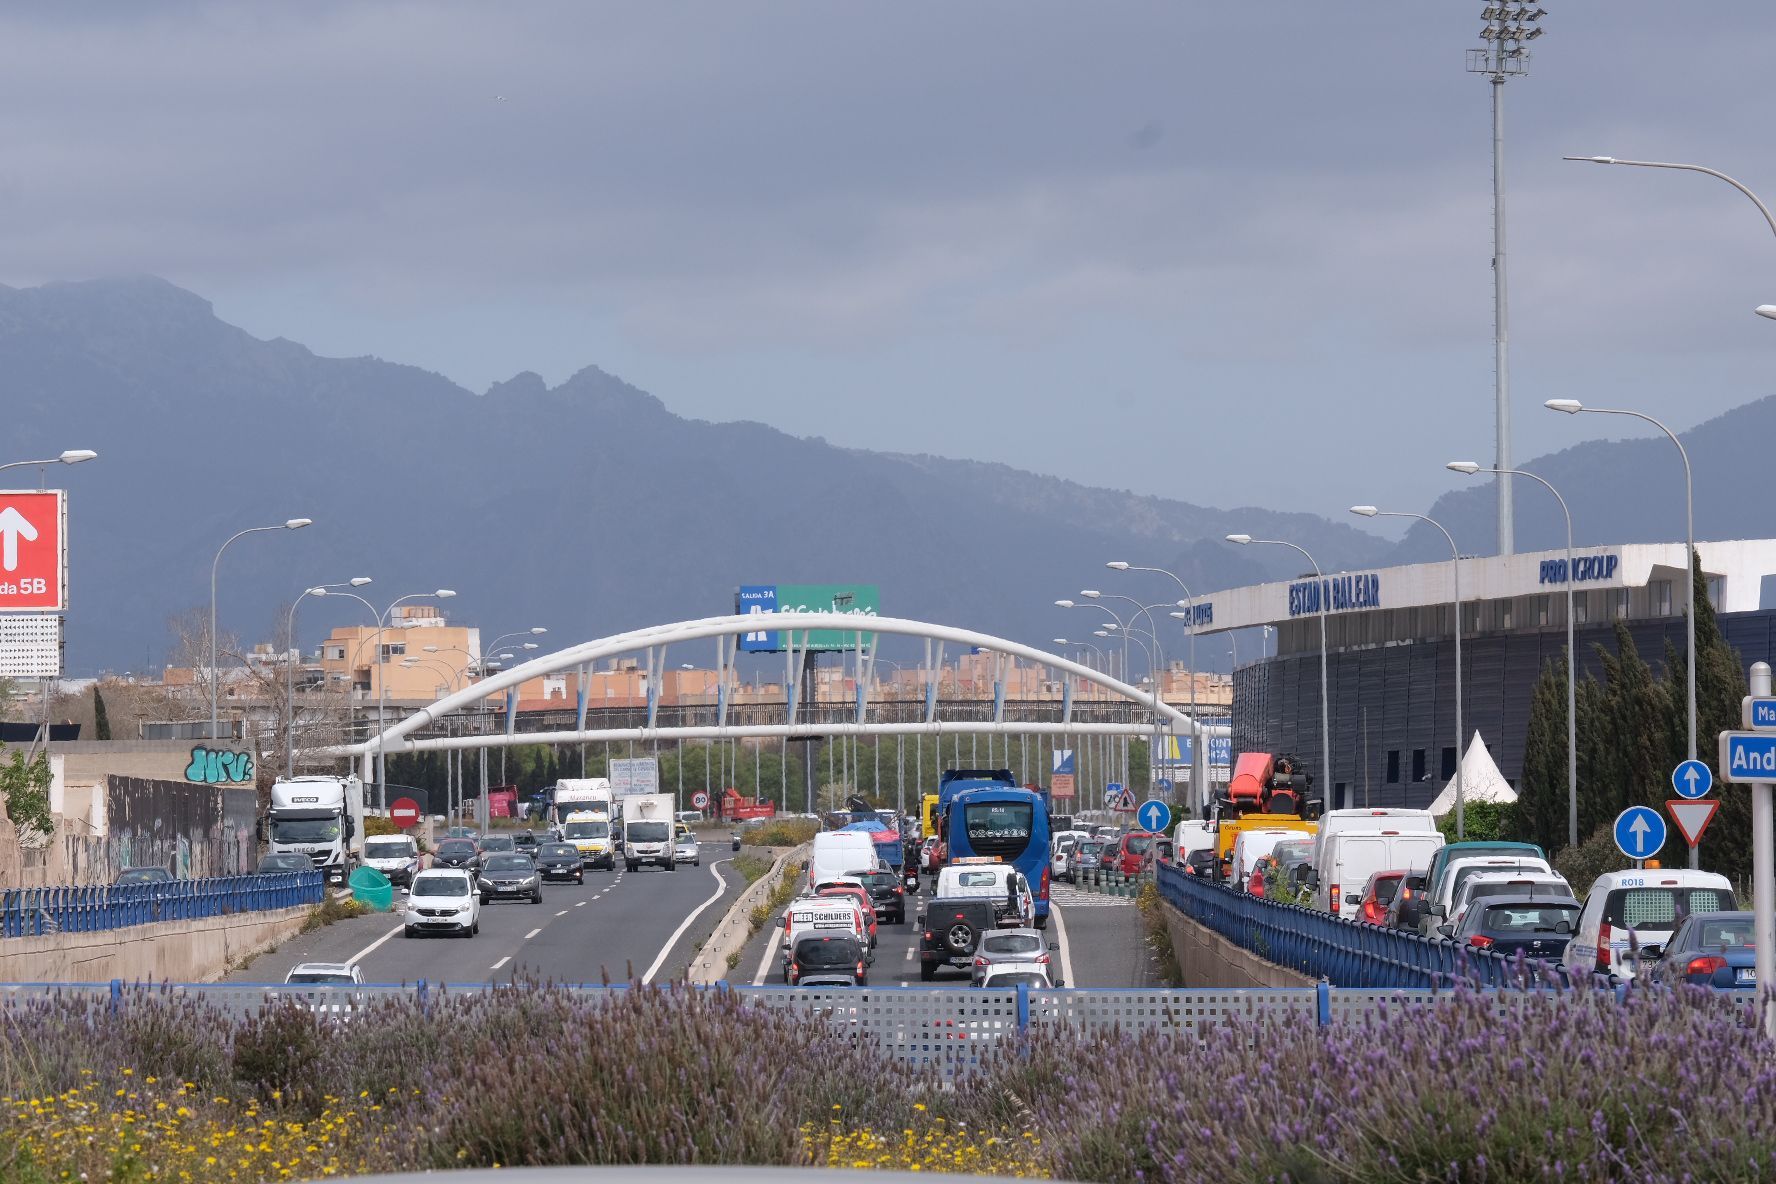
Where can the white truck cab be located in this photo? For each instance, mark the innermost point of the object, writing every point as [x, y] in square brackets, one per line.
[1628, 913]
[647, 831]
[321, 818]
[1015, 904]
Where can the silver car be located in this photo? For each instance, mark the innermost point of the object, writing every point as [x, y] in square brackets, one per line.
[686, 849]
[1009, 945]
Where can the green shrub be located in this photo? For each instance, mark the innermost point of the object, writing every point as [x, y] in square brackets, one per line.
[783, 832]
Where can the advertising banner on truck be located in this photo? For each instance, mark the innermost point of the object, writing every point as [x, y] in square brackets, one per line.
[861, 600]
[638, 775]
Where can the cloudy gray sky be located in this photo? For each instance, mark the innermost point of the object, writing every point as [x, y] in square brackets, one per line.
[1235, 253]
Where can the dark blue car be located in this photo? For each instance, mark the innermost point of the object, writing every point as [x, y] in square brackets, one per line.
[1711, 950]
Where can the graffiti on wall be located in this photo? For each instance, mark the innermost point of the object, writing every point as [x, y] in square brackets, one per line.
[191, 830]
[219, 766]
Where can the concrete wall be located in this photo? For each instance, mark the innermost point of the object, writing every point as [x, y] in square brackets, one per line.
[170, 951]
[1206, 959]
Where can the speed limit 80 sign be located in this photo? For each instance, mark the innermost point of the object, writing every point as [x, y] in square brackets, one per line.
[33, 551]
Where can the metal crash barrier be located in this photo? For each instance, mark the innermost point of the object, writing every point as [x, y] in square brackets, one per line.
[1349, 953]
[34, 912]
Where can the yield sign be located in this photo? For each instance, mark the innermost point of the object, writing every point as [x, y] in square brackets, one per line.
[1692, 818]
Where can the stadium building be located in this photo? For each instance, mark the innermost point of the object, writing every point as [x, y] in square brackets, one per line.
[1391, 652]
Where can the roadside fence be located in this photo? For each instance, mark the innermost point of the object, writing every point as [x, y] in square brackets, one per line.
[34, 912]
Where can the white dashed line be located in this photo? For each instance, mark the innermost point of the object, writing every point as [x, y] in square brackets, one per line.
[579, 904]
[501, 962]
[562, 913]
[367, 950]
[532, 934]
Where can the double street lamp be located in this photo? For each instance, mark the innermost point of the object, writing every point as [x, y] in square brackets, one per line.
[290, 661]
[215, 674]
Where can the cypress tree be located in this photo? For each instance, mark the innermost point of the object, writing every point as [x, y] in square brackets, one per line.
[101, 718]
[1720, 685]
[1539, 815]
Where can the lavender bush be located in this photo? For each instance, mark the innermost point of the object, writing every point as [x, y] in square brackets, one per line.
[1665, 1088]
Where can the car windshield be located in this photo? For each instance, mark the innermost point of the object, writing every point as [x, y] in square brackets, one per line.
[497, 843]
[1293, 849]
[284, 863]
[828, 951]
[1139, 844]
[145, 875]
[318, 977]
[441, 886]
[1011, 943]
[981, 879]
[1529, 918]
[509, 863]
[559, 851]
[1725, 934]
[880, 879]
[645, 832]
[305, 830]
[1386, 890]
[586, 830]
[1092, 848]
[455, 849]
[388, 848]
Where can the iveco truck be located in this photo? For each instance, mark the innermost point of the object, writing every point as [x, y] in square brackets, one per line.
[320, 817]
[647, 830]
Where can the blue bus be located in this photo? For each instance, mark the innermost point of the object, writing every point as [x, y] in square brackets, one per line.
[1006, 823]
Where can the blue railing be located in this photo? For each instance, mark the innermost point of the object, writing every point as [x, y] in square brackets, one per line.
[33, 912]
[1345, 953]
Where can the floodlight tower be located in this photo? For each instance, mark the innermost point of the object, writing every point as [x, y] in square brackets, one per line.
[1510, 26]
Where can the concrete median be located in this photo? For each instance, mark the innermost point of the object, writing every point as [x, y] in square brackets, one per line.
[167, 951]
[735, 928]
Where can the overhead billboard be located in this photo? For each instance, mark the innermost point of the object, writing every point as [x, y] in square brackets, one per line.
[634, 775]
[780, 600]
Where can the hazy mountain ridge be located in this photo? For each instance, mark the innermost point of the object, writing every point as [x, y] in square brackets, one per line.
[588, 506]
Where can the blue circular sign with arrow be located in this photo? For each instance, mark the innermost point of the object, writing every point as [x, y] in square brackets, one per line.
[1692, 779]
[1154, 815]
[1640, 832]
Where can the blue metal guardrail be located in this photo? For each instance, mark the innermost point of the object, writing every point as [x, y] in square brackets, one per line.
[33, 912]
[1346, 953]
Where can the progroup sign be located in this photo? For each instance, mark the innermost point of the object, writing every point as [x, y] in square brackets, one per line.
[33, 551]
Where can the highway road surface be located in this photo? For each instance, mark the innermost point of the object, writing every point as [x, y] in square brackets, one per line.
[618, 925]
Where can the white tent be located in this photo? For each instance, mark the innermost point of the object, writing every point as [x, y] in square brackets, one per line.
[1483, 781]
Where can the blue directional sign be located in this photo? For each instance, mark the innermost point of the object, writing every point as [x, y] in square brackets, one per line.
[1154, 815]
[1163, 786]
[1748, 756]
[1760, 712]
[1692, 779]
[1640, 832]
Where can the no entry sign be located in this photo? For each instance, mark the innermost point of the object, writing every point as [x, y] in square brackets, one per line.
[404, 813]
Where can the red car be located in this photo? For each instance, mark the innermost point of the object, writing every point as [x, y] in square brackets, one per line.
[1378, 893]
[1130, 852]
[862, 897]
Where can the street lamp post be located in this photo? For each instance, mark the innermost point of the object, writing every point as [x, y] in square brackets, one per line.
[72, 456]
[382, 680]
[1574, 407]
[452, 683]
[1572, 675]
[1199, 758]
[1461, 735]
[215, 680]
[1763, 310]
[290, 667]
[1246, 540]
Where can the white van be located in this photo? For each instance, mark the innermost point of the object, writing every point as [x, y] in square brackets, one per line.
[1193, 834]
[1628, 913]
[1344, 861]
[1439, 909]
[840, 853]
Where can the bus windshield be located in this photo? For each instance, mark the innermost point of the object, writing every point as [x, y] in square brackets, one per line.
[999, 828]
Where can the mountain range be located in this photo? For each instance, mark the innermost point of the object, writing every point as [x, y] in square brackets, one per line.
[590, 508]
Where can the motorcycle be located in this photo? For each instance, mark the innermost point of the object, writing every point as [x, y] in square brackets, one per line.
[736, 840]
[909, 880]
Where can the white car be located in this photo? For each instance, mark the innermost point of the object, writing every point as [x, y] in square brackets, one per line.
[443, 900]
[686, 848]
[1013, 974]
[1495, 887]
[329, 977]
[1439, 910]
[395, 856]
[1629, 914]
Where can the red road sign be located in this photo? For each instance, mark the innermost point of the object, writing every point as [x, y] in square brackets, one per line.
[33, 551]
[700, 800]
[1060, 785]
[404, 813]
[1692, 817]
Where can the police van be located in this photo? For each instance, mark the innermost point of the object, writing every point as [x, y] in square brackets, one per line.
[1630, 915]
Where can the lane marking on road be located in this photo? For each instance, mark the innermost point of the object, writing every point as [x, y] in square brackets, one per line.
[665, 950]
[579, 904]
[758, 980]
[367, 950]
[909, 953]
[501, 962]
[1066, 946]
[532, 934]
[562, 913]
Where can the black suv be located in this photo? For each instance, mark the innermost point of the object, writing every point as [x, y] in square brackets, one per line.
[887, 894]
[948, 932]
[461, 853]
[561, 861]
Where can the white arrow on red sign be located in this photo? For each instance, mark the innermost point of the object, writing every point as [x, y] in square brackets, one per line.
[1692, 818]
